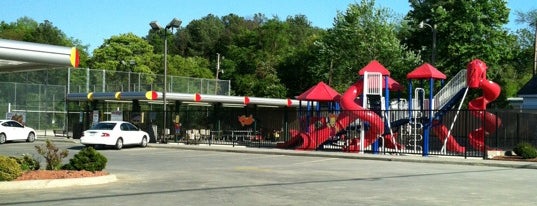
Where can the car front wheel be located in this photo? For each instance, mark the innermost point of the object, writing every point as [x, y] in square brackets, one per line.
[119, 143]
[2, 138]
[31, 137]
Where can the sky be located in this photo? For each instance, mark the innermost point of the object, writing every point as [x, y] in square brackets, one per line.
[93, 21]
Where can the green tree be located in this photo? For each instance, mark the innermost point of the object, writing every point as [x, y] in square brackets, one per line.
[465, 30]
[117, 53]
[529, 18]
[17, 30]
[125, 47]
[293, 70]
[27, 29]
[361, 34]
[197, 67]
[257, 54]
[202, 36]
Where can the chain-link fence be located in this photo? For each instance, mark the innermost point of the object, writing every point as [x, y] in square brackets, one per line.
[39, 96]
[41, 106]
[90, 80]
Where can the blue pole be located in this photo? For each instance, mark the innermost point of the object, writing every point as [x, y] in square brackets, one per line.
[410, 99]
[308, 114]
[429, 126]
[387, 105]
[386, 101]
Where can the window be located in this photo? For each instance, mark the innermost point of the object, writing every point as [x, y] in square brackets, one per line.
[104, 126]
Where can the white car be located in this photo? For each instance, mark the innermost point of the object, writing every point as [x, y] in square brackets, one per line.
[114, 133]
[12, 130]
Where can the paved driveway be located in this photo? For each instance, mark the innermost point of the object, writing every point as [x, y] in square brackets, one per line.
[163, 176]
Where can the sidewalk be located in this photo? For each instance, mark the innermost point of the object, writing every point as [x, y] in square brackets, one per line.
[381, 157]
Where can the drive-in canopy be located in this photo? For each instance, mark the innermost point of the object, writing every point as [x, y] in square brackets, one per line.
[25, 56]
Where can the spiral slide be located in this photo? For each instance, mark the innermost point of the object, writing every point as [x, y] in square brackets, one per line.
[357, 112]
[491, 91]
[477, 78]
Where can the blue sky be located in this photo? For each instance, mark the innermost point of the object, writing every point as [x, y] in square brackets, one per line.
[92, 21]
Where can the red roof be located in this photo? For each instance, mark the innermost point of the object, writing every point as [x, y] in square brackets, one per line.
[393, 85]
[426, 71]
[374, 66]
[320, 92]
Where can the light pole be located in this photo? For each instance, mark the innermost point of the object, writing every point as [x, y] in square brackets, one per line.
[433, 29]
[175, 23]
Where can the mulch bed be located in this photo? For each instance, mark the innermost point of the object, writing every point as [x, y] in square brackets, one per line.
[514, 158]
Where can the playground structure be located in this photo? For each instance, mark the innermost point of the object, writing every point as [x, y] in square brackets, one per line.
[392, 125]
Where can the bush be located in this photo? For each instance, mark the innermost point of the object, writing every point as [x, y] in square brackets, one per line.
[52, 155]
[9, 169]
[525, 150]
[87, 159]
[27, 162]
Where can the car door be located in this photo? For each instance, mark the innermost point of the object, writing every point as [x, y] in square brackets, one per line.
[14, 130]
[129, 133]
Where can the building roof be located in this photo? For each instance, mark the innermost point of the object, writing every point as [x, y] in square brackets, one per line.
[320, 92]
[374, 66]
[18, 56]
[426, 71]
[530, 88]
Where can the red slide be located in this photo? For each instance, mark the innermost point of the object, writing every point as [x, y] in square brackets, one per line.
[477, 79]
[441, 131]
[314, 138]
[355, 111]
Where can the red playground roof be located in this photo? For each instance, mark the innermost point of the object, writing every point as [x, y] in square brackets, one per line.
[392, 85]
[320, 92]
[374, 66]
[426, 71]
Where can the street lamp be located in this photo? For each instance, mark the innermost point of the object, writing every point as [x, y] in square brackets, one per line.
[433, 29]
[218, 71]
[175, 23]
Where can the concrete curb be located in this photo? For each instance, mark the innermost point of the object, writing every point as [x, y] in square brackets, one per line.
[54, 183]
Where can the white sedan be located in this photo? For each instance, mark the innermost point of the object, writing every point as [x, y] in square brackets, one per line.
[114, 133]
[12, 130]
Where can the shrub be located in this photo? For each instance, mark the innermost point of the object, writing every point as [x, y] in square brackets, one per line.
[9, 169]
[52, 155]
[525, 150]
[27, 162]
[87, 159]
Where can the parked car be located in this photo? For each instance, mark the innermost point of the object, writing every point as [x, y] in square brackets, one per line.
[11, 130]
[114, 133]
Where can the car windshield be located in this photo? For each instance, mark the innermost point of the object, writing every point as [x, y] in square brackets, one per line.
[104, 126]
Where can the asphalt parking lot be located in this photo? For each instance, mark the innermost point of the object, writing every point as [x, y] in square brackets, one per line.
[171, 176]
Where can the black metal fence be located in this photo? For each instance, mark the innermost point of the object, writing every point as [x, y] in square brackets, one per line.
[453, 133]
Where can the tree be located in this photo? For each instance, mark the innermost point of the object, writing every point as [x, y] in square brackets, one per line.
[201, 36]
[361, 34]
[27, 29]
[17, 30]
[294, 67]
[530, 18]
[116, 51]
[465, 30]
[196, 67]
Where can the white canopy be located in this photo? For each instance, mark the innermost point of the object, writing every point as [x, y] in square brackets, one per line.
[25, 56]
